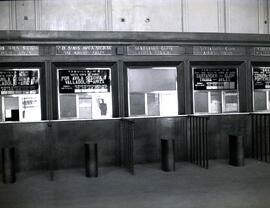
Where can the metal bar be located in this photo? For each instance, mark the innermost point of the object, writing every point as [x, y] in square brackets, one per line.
[191, 140]
[267, 138]
[265, 141]
[203, 142]
[206, 145]
[257, 137]
[253, 136]
[195, 140]
[261, 138]
[200, 140]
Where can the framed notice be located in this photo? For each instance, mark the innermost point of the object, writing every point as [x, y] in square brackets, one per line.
[84, 80]
[214, 78]
[261, 78]
[19, 81]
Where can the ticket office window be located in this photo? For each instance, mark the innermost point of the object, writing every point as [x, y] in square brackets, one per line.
[84, 93]
[20, 95]
[152, 91]
[261, 88]
[215, 90]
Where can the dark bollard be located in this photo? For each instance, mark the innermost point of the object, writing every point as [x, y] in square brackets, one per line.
[236, 150]
[8, 162]
[167, 155]
[91, 159]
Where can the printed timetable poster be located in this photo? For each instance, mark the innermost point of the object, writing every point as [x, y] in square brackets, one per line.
[84, 80]
[261, 78]
[215, 78]
[19, 81]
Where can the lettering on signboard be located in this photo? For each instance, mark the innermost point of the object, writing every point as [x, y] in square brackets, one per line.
[19, 50]
[261, 51]
[155, 50]
[84, 50]
[218, 50]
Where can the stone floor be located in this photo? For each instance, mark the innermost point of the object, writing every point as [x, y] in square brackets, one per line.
[221, 186]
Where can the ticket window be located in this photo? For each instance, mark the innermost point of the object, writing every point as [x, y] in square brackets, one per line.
[261, 88]
[215, 90]
[20, 95]
[152, 91]
[84, 93]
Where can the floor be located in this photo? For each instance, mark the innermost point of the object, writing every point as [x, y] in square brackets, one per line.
[189, 187]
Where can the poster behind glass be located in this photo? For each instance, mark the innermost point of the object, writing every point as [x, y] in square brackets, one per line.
[20, 95]
[215, 89]
[84, 93]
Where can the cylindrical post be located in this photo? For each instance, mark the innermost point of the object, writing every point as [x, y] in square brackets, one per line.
[236, 150]
[167, 154]
[91, 159]
[8, 162]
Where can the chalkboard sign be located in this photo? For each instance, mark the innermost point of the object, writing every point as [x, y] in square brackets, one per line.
[215, 78]
[261, 78]
[18, 50]
[19, 82]
[84, 80]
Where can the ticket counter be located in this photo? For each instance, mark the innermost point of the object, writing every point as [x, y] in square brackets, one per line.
[63, 88]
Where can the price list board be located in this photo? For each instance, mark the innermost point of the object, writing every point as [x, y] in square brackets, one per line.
[19, 82]
[261, 78]
[215, 78]
[85, 80]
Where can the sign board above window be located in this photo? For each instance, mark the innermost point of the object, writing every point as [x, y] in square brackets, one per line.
[84, 80]
[19, 50]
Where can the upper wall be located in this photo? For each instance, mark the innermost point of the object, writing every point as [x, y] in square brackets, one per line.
[229, 16]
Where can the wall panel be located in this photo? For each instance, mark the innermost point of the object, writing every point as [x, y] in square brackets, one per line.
[201, 15]
[25, 15]
[242, 16]
[84, 15]
[4, 15]
[146, 15]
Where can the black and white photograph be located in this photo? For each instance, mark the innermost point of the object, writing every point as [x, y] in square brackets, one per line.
[134, 103]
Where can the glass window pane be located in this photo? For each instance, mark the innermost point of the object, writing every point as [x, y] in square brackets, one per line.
[137, 103]
[153, 104]
[152, 91]
[68, 107]
[201, 102]
[260, 101]
[85, 107]
[231, 102]
[215, 102]
[168, 104]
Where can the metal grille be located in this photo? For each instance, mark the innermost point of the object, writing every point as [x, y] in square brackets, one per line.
[261, 137]
[197, 140]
